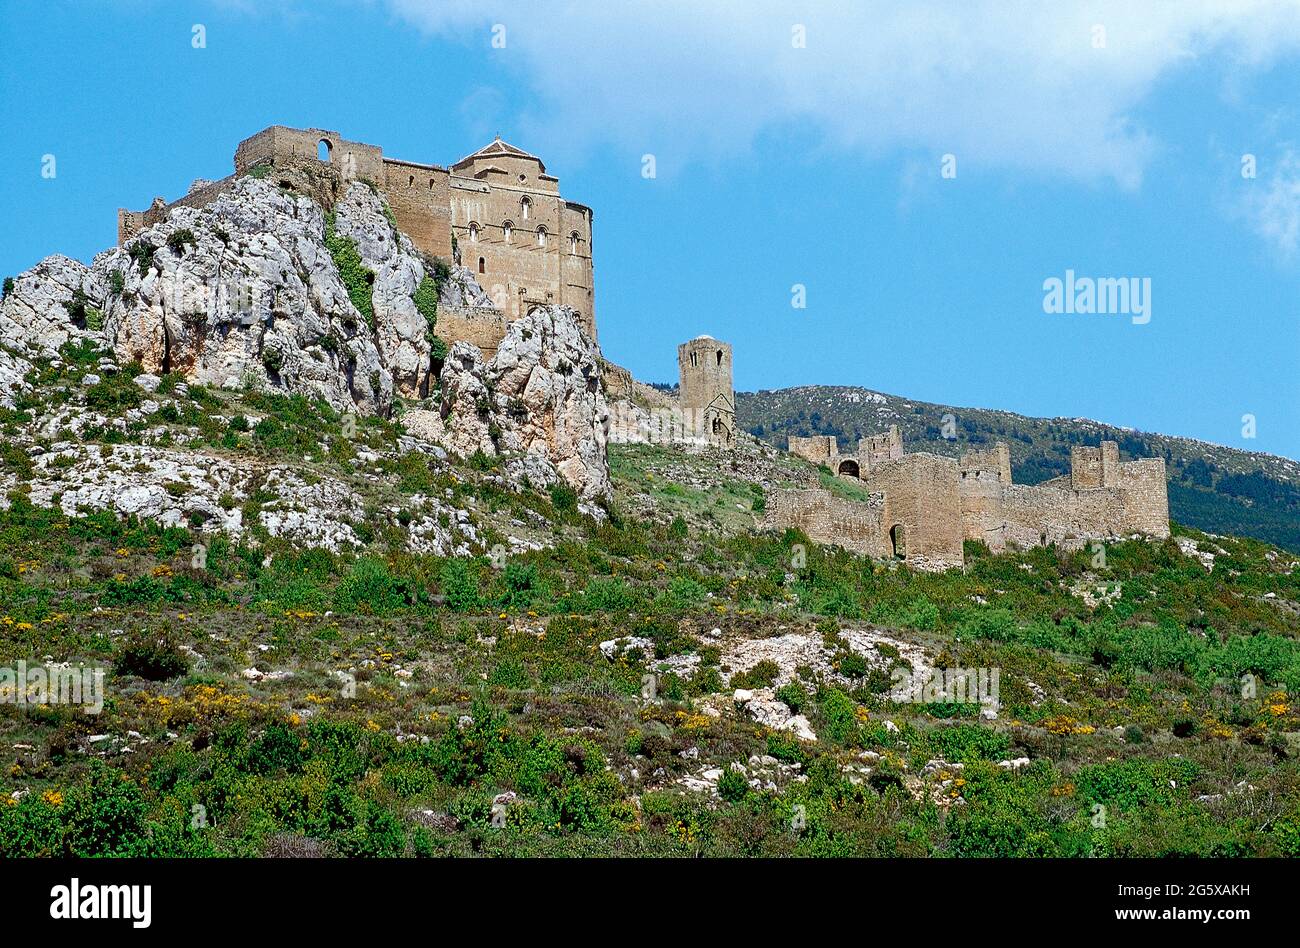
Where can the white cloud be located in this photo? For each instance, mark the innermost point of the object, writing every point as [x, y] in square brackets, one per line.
[1000, 83]
[1272, 205]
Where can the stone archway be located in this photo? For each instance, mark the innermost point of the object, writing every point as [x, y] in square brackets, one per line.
[898, 541]
[848, 468]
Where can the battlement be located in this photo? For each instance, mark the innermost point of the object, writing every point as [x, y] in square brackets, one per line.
[983, 462]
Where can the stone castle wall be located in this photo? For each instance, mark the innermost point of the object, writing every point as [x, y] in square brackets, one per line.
[922, 508]
[828, 519]
[931, 504]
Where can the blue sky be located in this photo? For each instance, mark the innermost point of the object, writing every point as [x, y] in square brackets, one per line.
[1113, 154]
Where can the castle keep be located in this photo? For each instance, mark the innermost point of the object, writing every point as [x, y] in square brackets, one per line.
[923, 506]
[525, 243]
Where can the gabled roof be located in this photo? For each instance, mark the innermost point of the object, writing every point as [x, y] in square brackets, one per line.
[498, 149]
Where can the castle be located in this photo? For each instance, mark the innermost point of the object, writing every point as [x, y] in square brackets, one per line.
[922, 506]
[500, 214]
[497, 210]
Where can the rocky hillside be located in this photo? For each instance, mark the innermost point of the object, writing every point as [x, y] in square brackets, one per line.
[353, 592]
[1211, 487]
[170, 349]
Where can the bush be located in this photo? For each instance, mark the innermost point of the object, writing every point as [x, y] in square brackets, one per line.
[179, 239]
[795, 698]
[732, 785]
[460, 585]
[762, 675]
[8, 287]
[152, 655]
[371, 588]
[563, 497]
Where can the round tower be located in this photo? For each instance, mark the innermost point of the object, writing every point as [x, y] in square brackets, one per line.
[706, 395]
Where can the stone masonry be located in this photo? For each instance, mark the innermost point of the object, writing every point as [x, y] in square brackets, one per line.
[923, 506]
[701, 412]
[526, 244]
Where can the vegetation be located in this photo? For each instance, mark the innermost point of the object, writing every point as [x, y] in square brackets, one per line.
[357, 278]
[265, 698]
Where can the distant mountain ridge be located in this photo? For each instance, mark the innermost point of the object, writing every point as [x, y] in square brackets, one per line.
[1211, 487]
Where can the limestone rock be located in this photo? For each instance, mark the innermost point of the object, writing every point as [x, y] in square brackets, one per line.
[539, 401]
[546, 380]
[244, 291]
[401, 333]
[12, 371]
[35, 319]
[462, 289]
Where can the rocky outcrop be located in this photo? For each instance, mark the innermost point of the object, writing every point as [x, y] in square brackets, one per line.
[245, 291]
[538, 402]
[260, 288]
[401, 333]
[41, 312]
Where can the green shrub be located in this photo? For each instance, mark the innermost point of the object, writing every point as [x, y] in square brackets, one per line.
[357, 279]
[459, 585]
[151, 655]
[762, 675]
[371, 588]
[732, 785]
[179, 239]
[563, 497]
[794, 696]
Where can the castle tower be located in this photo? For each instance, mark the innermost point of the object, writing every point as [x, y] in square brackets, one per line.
[706, 395]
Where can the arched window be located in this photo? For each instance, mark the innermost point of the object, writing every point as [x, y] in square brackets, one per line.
[573, 242]
[507, 229]
[473, 233]
[525, 206]
[323, 149]
[541, 236]
[410, 180]
[482, 265]
[719, 357]
[430, 184]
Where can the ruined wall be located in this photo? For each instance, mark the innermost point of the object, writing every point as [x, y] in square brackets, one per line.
[1136, 501]
[830, 520]
[1146, 496]
[981, 507]
[419, 196]
[818, 449]
[875, 449]
[922, 513]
